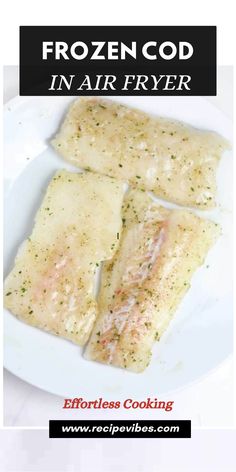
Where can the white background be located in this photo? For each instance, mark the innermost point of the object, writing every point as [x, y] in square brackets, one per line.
[124, 12]
[207, 403]
[207, 451]
[32, 451]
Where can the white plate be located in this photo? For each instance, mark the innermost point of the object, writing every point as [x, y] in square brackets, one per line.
[200, 336]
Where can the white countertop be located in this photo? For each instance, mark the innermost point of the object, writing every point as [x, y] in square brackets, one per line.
[208, 402]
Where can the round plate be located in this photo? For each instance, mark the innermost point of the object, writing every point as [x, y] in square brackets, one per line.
[200, 336]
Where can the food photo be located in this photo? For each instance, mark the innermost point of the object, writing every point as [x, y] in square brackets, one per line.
[117, 242]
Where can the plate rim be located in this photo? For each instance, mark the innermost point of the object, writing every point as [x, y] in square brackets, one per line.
[21, 100]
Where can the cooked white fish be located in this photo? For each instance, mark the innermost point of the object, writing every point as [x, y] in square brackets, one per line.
[174, 160]
[52, 283]
[144, 283]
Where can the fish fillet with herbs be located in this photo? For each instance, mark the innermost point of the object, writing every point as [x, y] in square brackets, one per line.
[174, 160]
[142, 286]
[52, 283]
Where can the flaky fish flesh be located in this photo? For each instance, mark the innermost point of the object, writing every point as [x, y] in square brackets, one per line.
[170, 158]
[52, 283]
[142, 286]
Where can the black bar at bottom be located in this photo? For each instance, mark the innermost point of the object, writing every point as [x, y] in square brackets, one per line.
[120, 429]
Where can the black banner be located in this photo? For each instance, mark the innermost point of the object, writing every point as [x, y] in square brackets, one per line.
[119, 429]
[117, 60]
